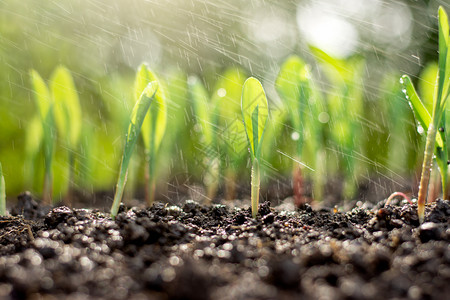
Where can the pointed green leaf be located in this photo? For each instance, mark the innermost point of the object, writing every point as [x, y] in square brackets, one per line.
[154, 125]
[293, 86]
[443, 53]
[41, 94]
[420, 111]
[255, 112]
[137, 119]
[340, 65]
[67, 108]
[226, 101]
[45, 108]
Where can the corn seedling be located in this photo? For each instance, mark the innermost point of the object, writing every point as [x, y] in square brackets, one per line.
[153, 128]
[45, 108]
[2, 193]
[137, 119]
[67, 112]
[177, 116]
[255, 111]
[345, 108]
[231, 141]
[292, 84]
[206, 118]
[433, 123]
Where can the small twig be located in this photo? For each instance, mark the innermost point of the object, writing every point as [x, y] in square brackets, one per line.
[30, 233]
[393, 195]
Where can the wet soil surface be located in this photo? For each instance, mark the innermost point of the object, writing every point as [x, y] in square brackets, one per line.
[194, 251]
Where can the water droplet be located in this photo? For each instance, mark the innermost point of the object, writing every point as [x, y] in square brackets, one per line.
[221, 92]
[420, 129]
[324, 117]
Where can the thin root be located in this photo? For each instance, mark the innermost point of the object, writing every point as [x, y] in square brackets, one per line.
[400, 194]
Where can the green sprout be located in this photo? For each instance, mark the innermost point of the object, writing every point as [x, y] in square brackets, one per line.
[293, 86]
[206, 118]
[433, 123]
[45, 108]
[137, 118]
[2, 193]
[255, 111]
[67, 112]
[231, 141]
[153, 128]
[345, 107]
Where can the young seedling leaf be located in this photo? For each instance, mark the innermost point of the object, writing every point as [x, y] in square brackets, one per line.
[137, 118]
[153, 128]
[227, 115]
[154, 125]
[42, 95]
[420, 111]
[2, 193]
[67, 106]
[293, 86]
[339, 65]
[443, 79]
[437, 122]
[203, 109]
[290, 85]
[255, 113]
[45, 108]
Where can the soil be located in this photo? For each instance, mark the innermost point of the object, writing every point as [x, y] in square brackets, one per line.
[219, 251]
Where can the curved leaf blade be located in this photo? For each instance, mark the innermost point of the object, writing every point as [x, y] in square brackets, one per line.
[42, 94]
[255, 113]
[67, 109]
[293, 86]
[444, 72]
[155, 122]
[134, 128]
[45, 108]
[421, 113]
[226, 101]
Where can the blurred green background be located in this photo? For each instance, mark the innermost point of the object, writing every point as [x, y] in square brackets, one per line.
[103, 42]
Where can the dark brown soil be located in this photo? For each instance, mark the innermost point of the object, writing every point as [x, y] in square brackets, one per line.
[220, 252]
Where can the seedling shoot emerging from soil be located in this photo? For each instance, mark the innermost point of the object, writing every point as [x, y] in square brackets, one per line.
[137, 118]
[154, 126]
[45, 108]
[255, 111]
[433, 123]
[67, 113]
[205, 114]
[292, 84]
